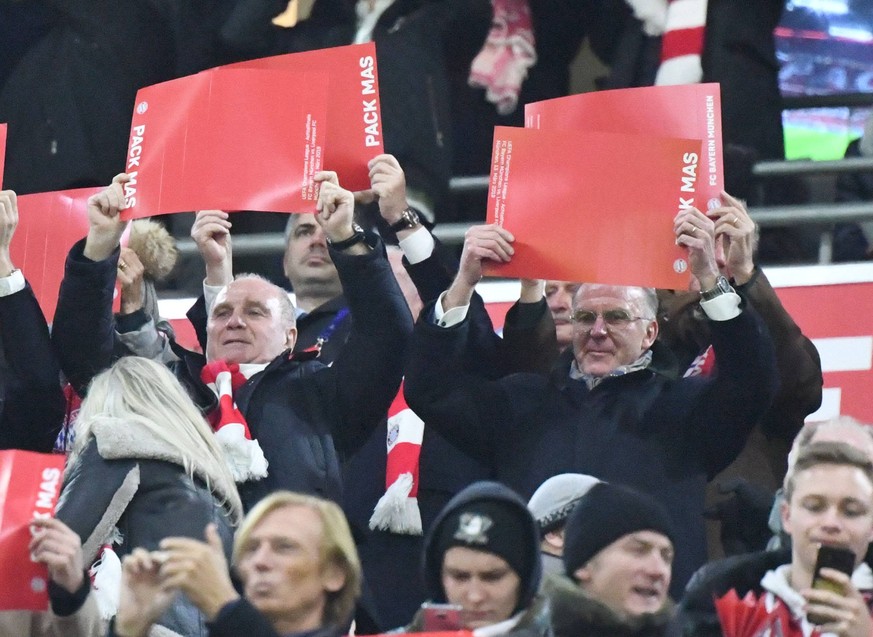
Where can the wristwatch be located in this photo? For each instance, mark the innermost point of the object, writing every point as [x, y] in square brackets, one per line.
[722, 286]
[408, 219]
[357, 237]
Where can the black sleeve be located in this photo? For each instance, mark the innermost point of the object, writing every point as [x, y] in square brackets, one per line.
[198, 317]
[240, 618]
[366, 375]
[83, 332]
[33, 404]
[65, 603]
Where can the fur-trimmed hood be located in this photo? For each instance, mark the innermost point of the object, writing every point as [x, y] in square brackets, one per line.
[576, 614]
[117, 441]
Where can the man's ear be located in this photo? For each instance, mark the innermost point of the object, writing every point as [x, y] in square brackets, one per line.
[333, 578]
[785, 515]
[555, 539]
[291, 337]
[582, 575]
[651, 334]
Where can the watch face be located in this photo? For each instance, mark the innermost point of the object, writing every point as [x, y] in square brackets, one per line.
[724, 285]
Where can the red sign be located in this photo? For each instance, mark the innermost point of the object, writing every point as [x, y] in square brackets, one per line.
[49, 223]
[228, 139]
[29, 487]
[600, 210]
[354, 134]
[691, 111]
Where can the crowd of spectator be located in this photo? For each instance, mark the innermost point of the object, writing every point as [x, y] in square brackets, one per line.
[552, 479]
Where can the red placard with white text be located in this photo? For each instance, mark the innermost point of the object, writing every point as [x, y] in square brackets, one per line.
[591, 211]
[229, 139]
[49, 223]
[2, 152]
[690, 111]
[29, 487]
[354, 136]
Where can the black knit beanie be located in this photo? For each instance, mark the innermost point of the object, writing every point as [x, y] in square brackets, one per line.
[605, 514]
[488, 525]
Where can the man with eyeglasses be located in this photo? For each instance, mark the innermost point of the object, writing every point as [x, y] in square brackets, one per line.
[612, 406]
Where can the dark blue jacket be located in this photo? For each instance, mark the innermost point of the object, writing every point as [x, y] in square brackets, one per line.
[646, 429]
[305, 415]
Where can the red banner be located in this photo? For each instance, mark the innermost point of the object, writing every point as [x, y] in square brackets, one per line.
[598, 211]
[29, 487]
[690, 111]
[354, 135]
[49, 223]
[228, 139]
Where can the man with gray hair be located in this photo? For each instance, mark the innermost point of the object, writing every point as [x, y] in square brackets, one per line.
[294, 419]
[612, 406]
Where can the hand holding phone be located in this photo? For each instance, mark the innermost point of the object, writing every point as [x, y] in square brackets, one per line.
[441, 617]
[839, 559]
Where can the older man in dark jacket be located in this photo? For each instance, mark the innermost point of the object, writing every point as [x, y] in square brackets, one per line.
[305, 416]
[608, 409]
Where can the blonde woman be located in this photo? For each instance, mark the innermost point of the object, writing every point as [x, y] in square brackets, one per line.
[145, 466]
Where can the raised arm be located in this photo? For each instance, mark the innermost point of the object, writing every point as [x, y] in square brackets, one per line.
[32, 402]
[365, 377]
[800, 388]
[746, 380]
[83, 332]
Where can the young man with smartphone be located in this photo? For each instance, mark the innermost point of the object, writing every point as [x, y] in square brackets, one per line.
[826, 587]
[482, 567]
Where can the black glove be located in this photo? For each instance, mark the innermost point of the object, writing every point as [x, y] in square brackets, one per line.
[743, 516]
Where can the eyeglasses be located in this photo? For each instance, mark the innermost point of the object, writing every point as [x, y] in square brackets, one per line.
[612, 318]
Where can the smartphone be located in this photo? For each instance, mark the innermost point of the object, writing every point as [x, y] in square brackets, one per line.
[441, 617]
[835, 557]
[838, 558]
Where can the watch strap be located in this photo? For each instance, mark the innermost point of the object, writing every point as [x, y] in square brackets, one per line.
[408, 219]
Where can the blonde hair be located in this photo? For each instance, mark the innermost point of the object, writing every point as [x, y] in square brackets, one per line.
[139, 393]
[337, 547]
[832, 453]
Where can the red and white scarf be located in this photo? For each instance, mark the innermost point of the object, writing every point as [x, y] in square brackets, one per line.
[397, 511]
[682, 25]
[243, 454]
[509, 51]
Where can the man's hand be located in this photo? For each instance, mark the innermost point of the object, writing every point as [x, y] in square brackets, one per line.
[336, 207]
[211, 233]
[387, 186]
[105, 224]
[696, 231]
[490, 242]
[144, 597]
[8, 224]
[735, 227]
[58, 547]
[199, 570]
[130, 272]
[845, 615]
[532, 290]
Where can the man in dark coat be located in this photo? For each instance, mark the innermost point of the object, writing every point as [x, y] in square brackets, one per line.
[608, 409]
[304, 416]
[31, 402]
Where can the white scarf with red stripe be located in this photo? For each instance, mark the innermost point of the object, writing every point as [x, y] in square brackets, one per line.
[243, 454]
[682, 25]
[397, 511]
